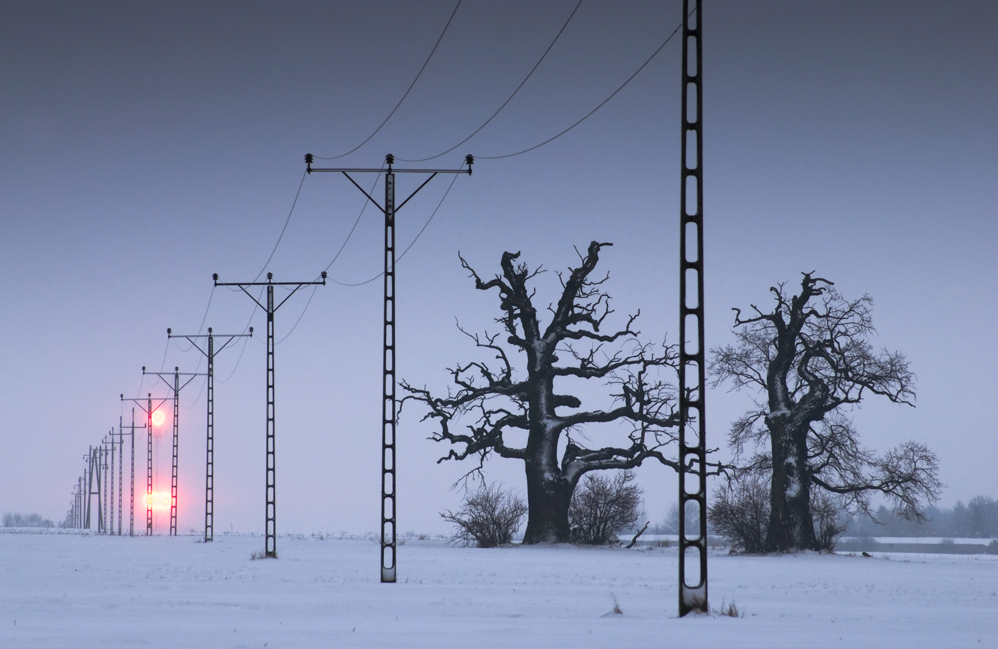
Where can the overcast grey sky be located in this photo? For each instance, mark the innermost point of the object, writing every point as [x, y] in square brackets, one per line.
[145, 146]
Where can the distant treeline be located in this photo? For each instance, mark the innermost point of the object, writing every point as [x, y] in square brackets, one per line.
[977, 519]
[30, 520]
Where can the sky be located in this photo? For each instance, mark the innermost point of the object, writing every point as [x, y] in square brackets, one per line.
[145, 146]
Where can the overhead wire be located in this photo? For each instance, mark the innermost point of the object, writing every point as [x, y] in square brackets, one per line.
[281, 236]
[411, 244]
[590, 113]
[508, 99]
[335, 257]
[411, 85]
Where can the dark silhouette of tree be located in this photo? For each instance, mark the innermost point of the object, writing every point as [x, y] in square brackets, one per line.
[520, 414]
[811, 360]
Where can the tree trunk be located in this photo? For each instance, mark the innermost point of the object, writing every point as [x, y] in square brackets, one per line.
[548, 497]
[791, 526]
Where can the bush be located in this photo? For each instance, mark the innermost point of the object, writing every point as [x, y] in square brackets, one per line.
[488, 518]
[740, 513]
[830, 519]
[601, 507]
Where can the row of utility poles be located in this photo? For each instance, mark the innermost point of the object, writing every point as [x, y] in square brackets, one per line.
[692, 447]
[98, 475]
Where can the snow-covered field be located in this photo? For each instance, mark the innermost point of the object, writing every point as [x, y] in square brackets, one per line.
[71, 590]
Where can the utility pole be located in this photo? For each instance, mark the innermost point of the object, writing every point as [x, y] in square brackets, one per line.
[94, 466]
[270, 543]
[78, 519]
[176, 387]
[388, 409]
[103, 461]
[692, 366]
[209, 481]
[149, 410]
[110, 510]
[131, 498]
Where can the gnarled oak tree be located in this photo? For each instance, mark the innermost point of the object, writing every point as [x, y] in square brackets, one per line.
[811, 359]
[512, 407]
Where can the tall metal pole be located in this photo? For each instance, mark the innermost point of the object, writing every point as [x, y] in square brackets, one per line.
[111, 511]
[209, 487]
[209, 476]
[131, 468]
[175, 387]
[103, 461]
[176, 442]
[131, 499]
[149, 412]
[388, 532]
[692, 370]
[85, 523]
[121, 474]
[271, 524]
[388, 406]
[270, 543]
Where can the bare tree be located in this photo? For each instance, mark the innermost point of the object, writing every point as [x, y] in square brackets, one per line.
[602, 506]
[521, 415]
[811, 360]
[488, 518]
[692, 513]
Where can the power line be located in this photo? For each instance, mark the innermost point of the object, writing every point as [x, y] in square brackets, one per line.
[286, 221]
[590, 113]
[409, 247]
[508, 99]
[425, 63]
[355, 223]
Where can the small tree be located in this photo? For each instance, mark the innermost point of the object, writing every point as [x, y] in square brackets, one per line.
[811, 359]
[488, 518]
[740, 513]
[602, 507]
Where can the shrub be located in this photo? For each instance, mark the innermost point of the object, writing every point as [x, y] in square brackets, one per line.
[830, 519]
[488, 518]
[601, 507]
[740, 513]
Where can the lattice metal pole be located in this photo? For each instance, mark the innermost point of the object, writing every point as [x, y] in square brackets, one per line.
[271, 528]
[209, 480]
[176, 443]
[103, 466]
[388, 523]
[131, 498]
[209, 352]
[121, 473]
[388, 404]
[111, 512]
[149, 468]
[270, 544]
[692, 372]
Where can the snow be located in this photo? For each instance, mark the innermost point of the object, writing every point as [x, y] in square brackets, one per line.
[62, 590]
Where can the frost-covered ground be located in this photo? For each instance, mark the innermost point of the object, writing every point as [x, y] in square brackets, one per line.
[70, 590]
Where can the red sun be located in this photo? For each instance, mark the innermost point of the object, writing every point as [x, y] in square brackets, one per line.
[159, 500]
[158, 418]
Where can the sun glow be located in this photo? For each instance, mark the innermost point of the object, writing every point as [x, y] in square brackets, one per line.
[159, 500]
[158, 418]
